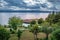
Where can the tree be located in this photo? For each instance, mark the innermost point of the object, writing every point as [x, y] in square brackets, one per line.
[6, 26]
[35, 29]
[40, 21]
[47, 31]
[53, 18]
[14, 22]
[32, 22]
[56, 26]
[19, 33]
[55, 35]
[4, 34]
[50, 18]
[56, 18]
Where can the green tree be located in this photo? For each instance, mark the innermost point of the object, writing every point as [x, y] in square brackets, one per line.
[47, 31]
[53, 18]
[4, 34]
[14, 22]
[6, 26]
[19, 33]
[56, 18]
[35, 29]
[40, 20]
[32, 22]
[50, 18]
[55, 35]
[56, 26]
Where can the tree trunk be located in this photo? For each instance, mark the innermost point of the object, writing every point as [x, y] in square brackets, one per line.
[36, 37]
[46, 36]
[18, 38]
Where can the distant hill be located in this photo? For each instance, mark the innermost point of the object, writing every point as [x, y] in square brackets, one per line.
[28, 20]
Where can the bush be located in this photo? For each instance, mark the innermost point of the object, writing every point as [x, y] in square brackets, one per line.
[4, 34]
[55, 35]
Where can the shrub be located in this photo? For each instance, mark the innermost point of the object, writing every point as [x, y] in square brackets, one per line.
[4, 34]
[55, 35]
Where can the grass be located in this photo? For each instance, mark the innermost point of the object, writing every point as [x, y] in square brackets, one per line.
[26, 35]
[13, 37]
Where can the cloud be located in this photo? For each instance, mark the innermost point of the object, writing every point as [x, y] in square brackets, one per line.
[39, 2]
[49, 4]
[42, 1]
[18, 8]
[30, 2]
[15, 8]
[34, 2]
[3, 3]
[29, 5]
[57, 7]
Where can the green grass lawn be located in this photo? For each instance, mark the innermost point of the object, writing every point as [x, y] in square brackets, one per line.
[26, 35]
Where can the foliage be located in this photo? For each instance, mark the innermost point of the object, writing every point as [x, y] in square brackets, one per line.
[32, 22]
[56, 18]
[45, 24]
[53, 18]
[55, 35]
[50, 18]
[4, 34]
[34, 29]
[19, 33]
[12, 31]
[47, 30]
[56, 26]
[40, 21]
[6, 26]
[14, 22]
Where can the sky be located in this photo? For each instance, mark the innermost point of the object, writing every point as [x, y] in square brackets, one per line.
[4, 17]
[18, 5]
[43, 5]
